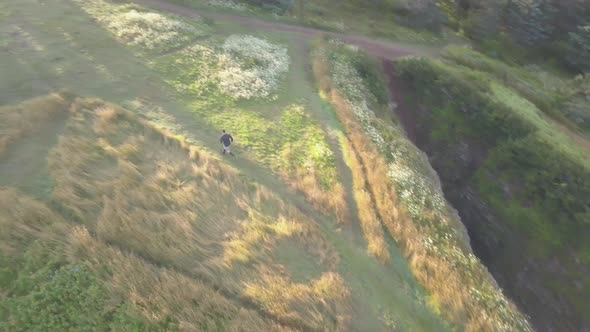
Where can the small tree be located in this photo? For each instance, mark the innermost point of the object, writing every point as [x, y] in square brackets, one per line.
[484, 22]
[529, 22]
[578, 55]
[422, 14]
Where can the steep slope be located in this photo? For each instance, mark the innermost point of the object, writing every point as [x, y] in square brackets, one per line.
[406, 195]
[166, 235]
[518, 173]
[329, 219]
[145, 227]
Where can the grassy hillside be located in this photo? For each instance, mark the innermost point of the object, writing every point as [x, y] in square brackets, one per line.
[134, 222]
[158, 234]
[120, 213]
[509, 139]
[406, 196]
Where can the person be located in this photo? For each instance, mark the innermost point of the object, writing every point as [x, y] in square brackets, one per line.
[226, 139]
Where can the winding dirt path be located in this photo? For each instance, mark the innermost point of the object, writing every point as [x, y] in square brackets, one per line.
[377, 48]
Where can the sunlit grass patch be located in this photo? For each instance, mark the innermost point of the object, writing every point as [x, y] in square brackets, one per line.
[28, 117]
[39, 287]
[193, 71]
[257, 230]
[157, 293]
[292, 144]
[321, 304]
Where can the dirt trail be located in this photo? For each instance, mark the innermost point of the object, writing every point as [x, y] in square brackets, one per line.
[377, 48]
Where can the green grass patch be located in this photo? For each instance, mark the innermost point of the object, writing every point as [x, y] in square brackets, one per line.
[530, 152]
[549, 91]
[46, 294]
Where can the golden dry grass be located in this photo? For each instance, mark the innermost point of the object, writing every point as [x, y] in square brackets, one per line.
[24, 220]
[28, 117]
[299, 302]
[370, 222]
[367, 214]
[450, 286]
[154, 196]
[330, 201]
[157, 293]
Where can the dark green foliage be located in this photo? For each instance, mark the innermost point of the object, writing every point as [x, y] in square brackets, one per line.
[463, 91]
[550, 190]
[484, 23]
[528, 22]
[71, 299]
[578, 55]
[368, 69]
[44, 293]
[276, 6]
[550, 98]
[525, 28]
[421, 14]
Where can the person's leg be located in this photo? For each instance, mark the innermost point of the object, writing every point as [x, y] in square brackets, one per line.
[228, 150]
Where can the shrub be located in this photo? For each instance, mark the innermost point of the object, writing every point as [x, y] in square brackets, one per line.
[72, 299]
[227, 4]
[421, 14]
[251, 67]
[276, 6]
[578, 51]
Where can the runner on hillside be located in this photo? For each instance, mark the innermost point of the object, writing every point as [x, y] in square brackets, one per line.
[226, 139]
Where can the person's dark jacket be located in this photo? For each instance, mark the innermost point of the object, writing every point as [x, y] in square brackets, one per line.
[226, 139]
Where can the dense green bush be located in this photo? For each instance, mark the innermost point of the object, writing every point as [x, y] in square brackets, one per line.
[420, 14]
[276, 6]
[578, 54]
[41, 292]
[553, 192]
[71, 299]
[529, 22]
[367, 69]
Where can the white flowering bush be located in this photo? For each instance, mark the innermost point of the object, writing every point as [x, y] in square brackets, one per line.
[244, 67]
[418, 185]
[150, 30]
[136, 27]
[251, 67]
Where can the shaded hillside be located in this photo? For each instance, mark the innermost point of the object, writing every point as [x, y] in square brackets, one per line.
[518, 175]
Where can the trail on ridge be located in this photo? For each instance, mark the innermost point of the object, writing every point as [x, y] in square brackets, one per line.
[377, 48]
